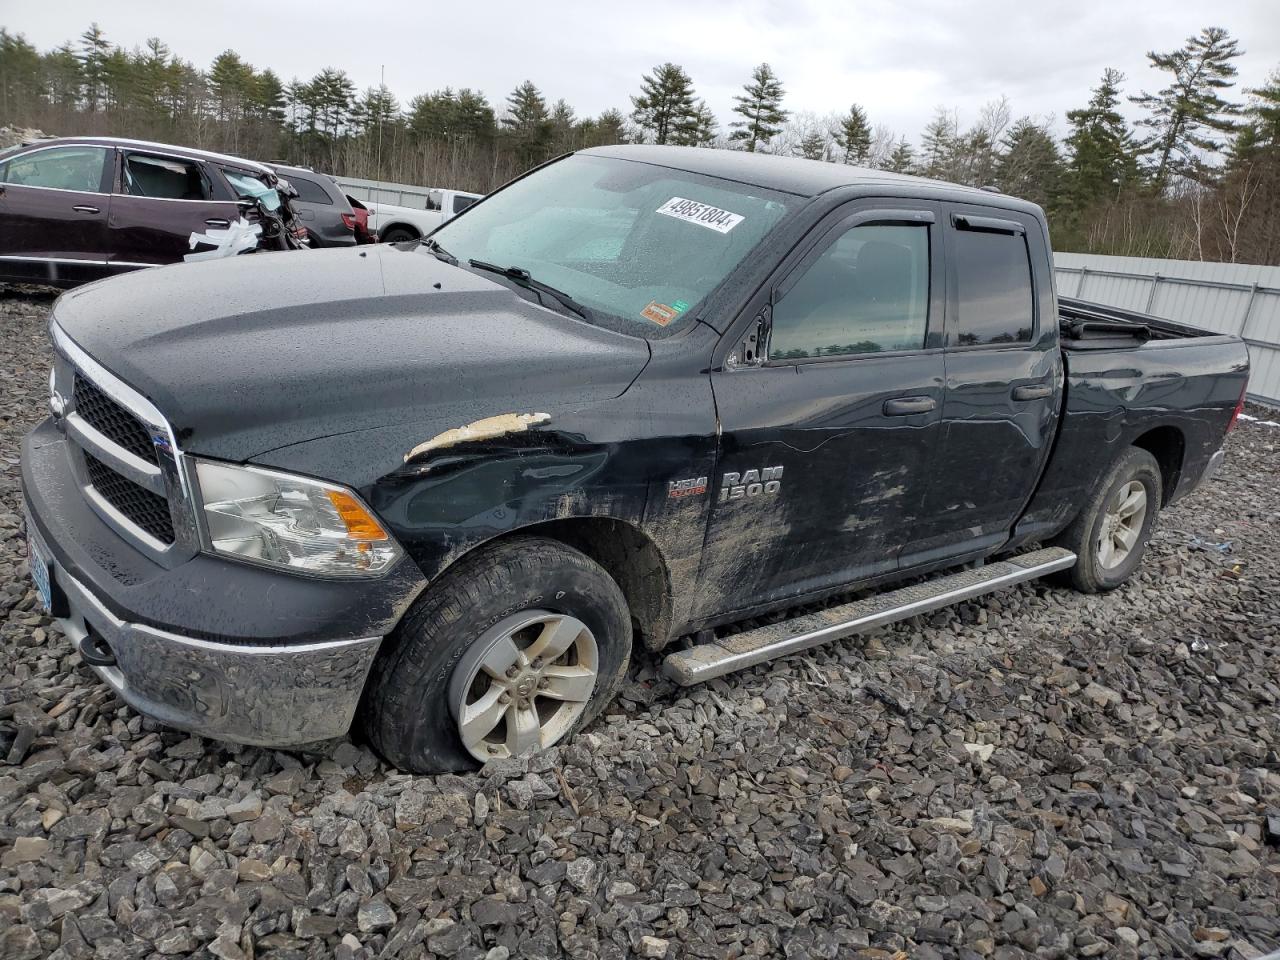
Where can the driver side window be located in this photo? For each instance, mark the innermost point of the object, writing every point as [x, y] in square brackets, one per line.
[867, 292]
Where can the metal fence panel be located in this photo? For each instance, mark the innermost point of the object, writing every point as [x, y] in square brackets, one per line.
[381, 191]
[1237, 298]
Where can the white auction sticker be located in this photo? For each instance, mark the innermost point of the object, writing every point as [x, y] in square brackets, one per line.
[703, 214]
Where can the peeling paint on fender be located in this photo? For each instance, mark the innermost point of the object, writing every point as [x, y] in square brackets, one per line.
[488, 428]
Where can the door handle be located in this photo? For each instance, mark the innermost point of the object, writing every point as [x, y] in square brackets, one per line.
[84, 208]
[217, 222]
[906, 406]
[1032, 391]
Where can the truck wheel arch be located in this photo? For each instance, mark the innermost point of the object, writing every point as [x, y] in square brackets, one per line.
[628, 554]
[1168, 445]
[399, 227]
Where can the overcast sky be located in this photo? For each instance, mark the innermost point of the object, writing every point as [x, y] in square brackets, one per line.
[899, 60]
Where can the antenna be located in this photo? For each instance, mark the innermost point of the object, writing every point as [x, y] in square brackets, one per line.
[382, 89]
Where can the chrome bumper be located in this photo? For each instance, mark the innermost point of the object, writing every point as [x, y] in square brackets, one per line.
[268, 696]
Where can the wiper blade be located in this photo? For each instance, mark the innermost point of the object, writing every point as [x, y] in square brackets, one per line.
[439, 252]
[522, 276]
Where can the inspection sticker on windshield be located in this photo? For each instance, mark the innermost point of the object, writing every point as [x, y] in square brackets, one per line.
[659, 313]
[703, 214]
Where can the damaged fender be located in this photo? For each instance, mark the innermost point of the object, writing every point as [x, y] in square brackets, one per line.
[488, 428]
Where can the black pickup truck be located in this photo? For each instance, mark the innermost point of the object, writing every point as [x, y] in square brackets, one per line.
[634, 398]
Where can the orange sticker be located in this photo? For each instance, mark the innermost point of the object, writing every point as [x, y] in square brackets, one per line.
[659, 313]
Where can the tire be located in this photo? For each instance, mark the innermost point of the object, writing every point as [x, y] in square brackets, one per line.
[398, 235]
[1096, 569]
[410, 703]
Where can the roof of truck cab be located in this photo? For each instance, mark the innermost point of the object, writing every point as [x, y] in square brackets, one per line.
[795, 175]
[149, 145]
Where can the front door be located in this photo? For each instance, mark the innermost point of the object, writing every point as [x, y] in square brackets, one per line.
[53, 213]
[825, 445]
[164, 210]
[1004, 383]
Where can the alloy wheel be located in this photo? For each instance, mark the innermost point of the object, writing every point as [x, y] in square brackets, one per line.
[1122, 525]
[523, 685]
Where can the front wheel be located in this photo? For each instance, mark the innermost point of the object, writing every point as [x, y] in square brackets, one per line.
[509, 653]
[1109, 536]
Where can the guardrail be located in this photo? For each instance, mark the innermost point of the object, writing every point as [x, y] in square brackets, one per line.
[1239, 299]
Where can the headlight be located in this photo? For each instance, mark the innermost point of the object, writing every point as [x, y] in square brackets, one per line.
[292, 522]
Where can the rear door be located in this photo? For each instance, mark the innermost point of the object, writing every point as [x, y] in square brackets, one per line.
[164, 205]
[53, 212]
[1003, 383]
[825, 447]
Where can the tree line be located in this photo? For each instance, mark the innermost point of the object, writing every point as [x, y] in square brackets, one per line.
[1196, 177]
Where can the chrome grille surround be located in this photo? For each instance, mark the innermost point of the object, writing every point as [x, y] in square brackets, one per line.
[105, 433]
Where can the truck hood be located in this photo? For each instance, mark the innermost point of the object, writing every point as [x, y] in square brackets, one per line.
[261, 351]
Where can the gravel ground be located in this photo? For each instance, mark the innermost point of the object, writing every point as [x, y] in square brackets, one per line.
[1038, 774]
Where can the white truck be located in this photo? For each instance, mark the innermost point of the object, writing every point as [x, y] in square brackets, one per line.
[416, 210]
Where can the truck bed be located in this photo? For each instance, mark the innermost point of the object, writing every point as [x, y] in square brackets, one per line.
[1092, 326]
[1130, 378]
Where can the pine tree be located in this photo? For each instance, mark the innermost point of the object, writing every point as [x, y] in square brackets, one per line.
[940, 144]
[528, 124]
[761, 106]
[19, 73]
[564, 128]
[609, 128]
[377, 110]
[813, 146]
[902, 160]
[229, 79]
[854, 137]
[666, 108]
[472, 116]
[1185, 116]
[1101, 149]
[697, 129]
[94, 50]
[1030, 165]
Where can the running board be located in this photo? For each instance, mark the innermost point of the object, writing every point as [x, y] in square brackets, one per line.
[707, 661]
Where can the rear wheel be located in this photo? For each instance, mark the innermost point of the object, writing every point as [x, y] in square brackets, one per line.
[1109, 536]
[509, 653]
[398, 235]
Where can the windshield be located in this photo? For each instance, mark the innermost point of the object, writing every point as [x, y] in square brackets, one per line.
[640, 245]
[251, 188]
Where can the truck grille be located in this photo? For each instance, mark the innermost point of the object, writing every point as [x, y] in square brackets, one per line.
[141, 507]
[113, 421]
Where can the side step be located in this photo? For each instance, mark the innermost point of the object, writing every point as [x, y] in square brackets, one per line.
[707, 661]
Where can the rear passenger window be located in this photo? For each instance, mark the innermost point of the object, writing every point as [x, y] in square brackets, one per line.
[58, 168]
[993, 286]
[163, 177]
[868, 292]
[308, 190]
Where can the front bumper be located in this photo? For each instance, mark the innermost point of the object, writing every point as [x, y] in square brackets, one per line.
[220, 648]
[270, 696]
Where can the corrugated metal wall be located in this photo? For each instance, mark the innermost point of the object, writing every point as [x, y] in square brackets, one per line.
[381, 191]
[1237, 298]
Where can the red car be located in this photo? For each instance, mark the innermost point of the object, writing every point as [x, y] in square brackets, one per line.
[75, 209]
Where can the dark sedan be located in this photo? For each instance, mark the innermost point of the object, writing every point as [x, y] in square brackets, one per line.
[75, 209]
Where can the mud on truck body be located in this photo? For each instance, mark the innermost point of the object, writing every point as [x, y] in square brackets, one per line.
[446, 490]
